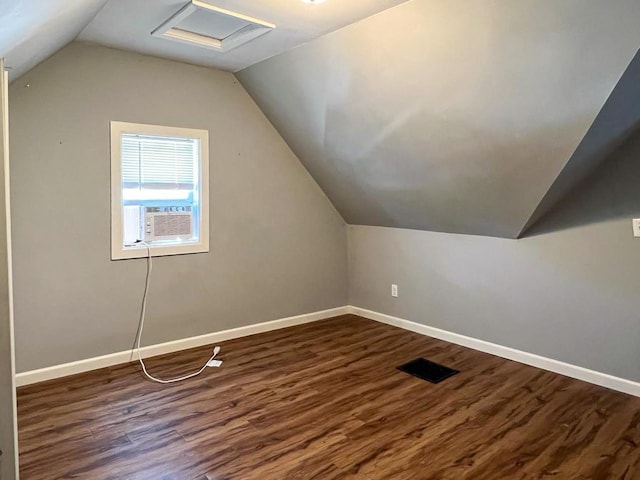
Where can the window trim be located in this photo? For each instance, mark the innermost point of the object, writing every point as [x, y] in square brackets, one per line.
[118, 252]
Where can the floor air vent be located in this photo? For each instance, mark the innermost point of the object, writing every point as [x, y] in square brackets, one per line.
[426, 370]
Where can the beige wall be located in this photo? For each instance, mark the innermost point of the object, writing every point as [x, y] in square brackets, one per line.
[555, 295]
[278, 247]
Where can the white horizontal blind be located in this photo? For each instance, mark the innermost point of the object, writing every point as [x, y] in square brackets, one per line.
[153, 162]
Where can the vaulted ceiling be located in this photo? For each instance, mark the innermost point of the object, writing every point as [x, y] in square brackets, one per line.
[454, 115]
[32, 30]
[468, 116]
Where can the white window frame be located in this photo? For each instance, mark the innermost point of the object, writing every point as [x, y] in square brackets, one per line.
[120, 252]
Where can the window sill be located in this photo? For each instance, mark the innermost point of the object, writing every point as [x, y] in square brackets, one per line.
[140, 251]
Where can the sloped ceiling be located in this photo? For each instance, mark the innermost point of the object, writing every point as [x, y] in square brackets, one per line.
[126, 24]
[608, 192]
[616, 123]
[451, 115]
[468, 116]
[32, 30]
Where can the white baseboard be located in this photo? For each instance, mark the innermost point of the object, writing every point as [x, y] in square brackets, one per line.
[573, 371]
[63, 370]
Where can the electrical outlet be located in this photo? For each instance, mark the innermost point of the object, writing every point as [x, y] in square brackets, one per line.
[636, 227]
[394, 290]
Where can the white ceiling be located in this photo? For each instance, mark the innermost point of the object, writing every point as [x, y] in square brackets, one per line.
[127, 24]
[32, 30]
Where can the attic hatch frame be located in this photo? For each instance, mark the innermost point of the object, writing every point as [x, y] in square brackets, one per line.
[170, 28]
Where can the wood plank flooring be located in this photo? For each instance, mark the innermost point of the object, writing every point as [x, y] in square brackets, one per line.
[324, 401]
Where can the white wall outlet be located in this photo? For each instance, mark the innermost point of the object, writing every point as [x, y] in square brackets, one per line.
[394, 290]
[636, 227]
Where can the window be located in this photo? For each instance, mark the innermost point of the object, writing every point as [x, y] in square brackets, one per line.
[159, 190]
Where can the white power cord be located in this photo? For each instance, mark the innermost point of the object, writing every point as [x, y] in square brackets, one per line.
[143, 311]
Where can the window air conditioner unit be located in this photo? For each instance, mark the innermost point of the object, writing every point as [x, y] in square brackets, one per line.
[168, 223]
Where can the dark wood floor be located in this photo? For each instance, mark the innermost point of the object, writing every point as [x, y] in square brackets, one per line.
[324, 401]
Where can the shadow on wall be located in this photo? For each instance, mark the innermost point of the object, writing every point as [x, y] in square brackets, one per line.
[614, 127]
[610, 192]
